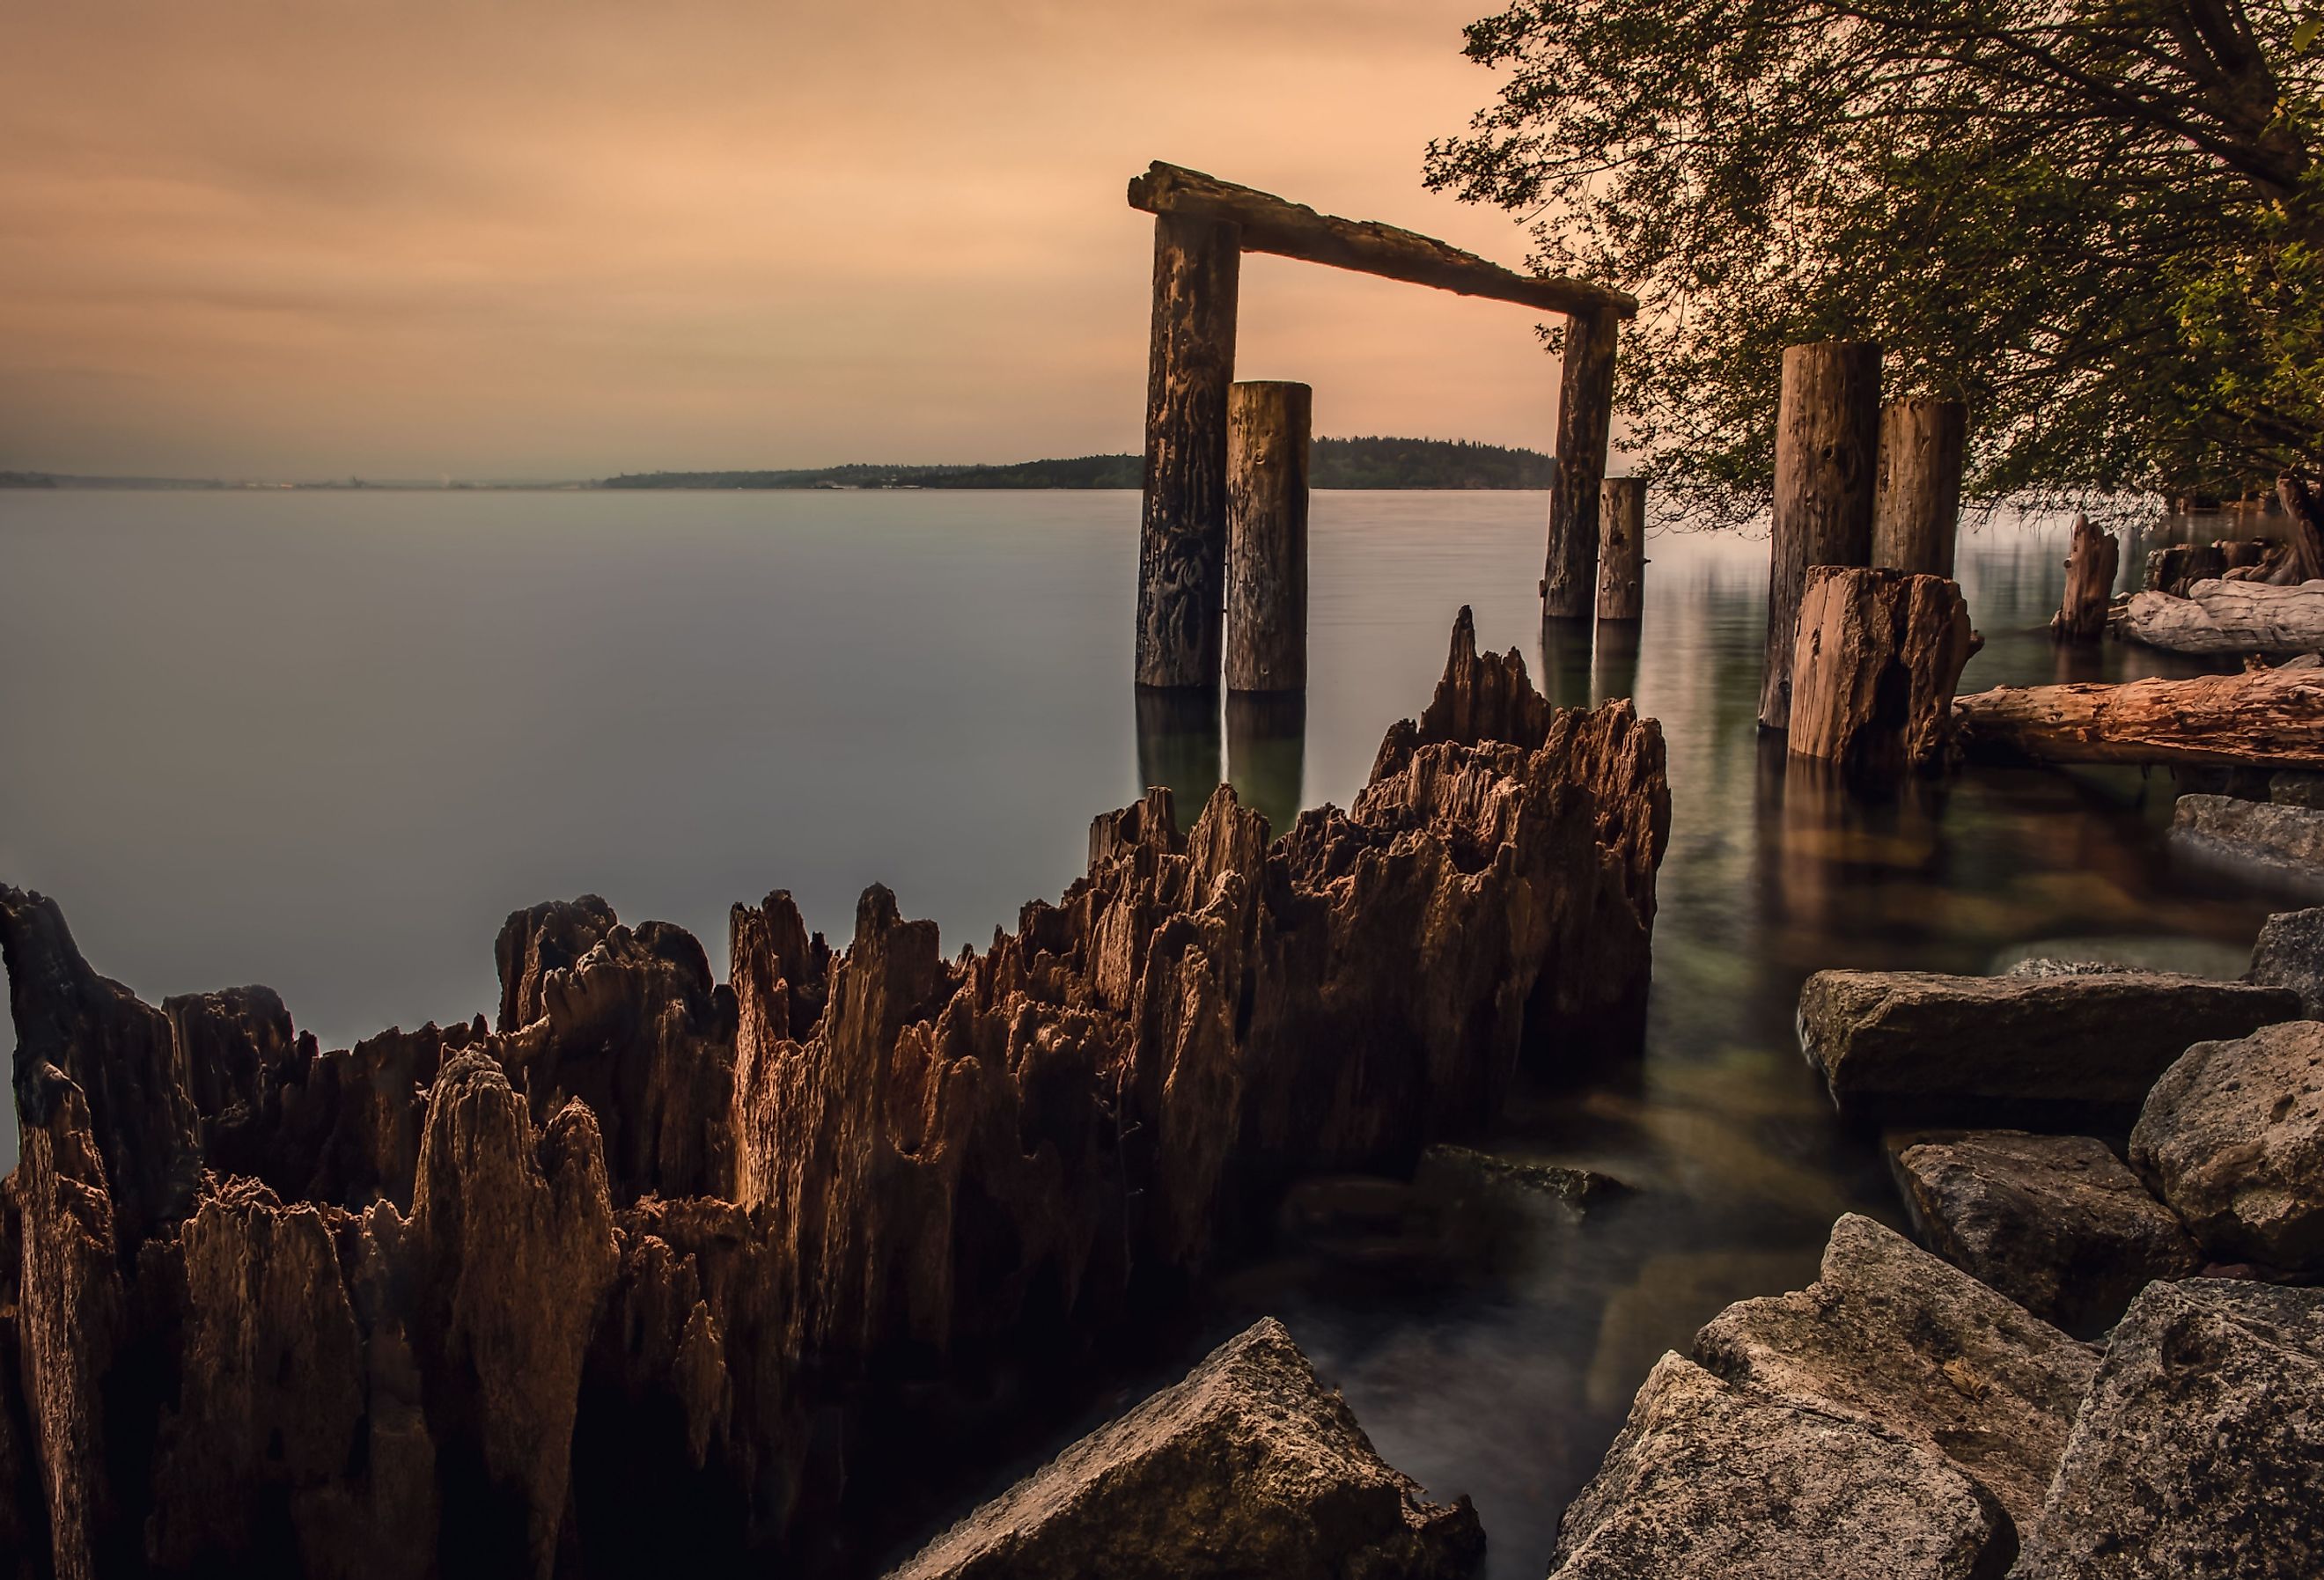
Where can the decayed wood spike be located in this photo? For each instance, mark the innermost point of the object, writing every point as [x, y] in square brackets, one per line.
[1269, 223]
[2093, 560]
[1622, 549]
[1585, 426]
[2259, 718]
[1916, 503]
[1268, 428]
[1878, 656]
[1182, 543]
[1827, 436]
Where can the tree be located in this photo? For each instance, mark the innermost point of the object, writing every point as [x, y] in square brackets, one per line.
[2095, 223]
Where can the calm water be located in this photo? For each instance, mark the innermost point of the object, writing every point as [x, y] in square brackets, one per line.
[327, 741]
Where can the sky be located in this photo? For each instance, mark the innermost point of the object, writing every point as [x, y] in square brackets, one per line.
[482, 239]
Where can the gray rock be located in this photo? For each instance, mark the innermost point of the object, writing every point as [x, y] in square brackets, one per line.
[1710, 1481]
[2199, 1453]
[2290, 954]
[1915, 1048]
[2268, 840]
[1893, 1335]
[2096, 954]
[2233, 1138]
[1249, 1466]
[1446, 1169]
[2292, 786]
[2055, 1223]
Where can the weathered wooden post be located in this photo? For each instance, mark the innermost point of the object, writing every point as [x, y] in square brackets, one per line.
[1622, 549]
[1182, 544]
[1916, 507]
[1879, 655]
[1266, 536]
[1585, 427]
[2093, 560]
[1827, 440]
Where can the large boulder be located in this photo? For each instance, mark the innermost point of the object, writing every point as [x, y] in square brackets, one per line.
[1249, 1466]
[2055, 1223]
[2290, 953]
[2233, 1138]
[2267, 839]
[1892, 1335]
[2199, 1453]
[1713, 1481]
[1918, 1047]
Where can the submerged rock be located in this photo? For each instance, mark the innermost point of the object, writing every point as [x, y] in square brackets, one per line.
[1448, 1170]
[2055, 1223]
[2290, 953]
[1249, 1466]
[1912, 1047]
[2199, 1452]
[2233, 1138]
[1891, 1334]
[2266, 839]
[1713, 1480]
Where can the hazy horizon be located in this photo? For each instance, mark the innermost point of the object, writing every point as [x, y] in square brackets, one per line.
[519, 243]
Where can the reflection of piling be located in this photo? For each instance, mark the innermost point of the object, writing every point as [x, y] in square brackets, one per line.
[1622, 549]
[1266, 536]
[1178, 746]
[1565, 662]
[1827, 444]
[1614, 661]
[1266, 746]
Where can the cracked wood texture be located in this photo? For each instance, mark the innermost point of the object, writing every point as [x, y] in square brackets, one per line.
[1182, 541]
[1872, 679]
[2260, 718]
[1585, 424]
[1827, 448]
[1917, 505]
[1267, 434]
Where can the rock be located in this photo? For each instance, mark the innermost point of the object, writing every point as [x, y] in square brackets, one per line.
[1892, 1335]
[2289, 787]
[2055, 1223]
[2199, 1452]
[1878, 655]
[2233, 1138]
[2263, 838]
[2229, 617]
[1249, 1466]
[2097, 955]
[1713, 1481]
[1914, 1048]
[1447, 1170]
[2290, 953]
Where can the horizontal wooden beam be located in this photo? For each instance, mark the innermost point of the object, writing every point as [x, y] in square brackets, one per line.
[1292, 230]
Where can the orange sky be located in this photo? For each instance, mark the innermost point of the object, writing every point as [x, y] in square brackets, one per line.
[406, 238]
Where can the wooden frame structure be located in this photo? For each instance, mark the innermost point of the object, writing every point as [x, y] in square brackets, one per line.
[1202, 227]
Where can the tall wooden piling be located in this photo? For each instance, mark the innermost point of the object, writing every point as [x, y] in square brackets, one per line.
[1917, 505]
[1182, 546]
[1827, 443]
[1268, 436]
[1585, 426]
[1622, 549]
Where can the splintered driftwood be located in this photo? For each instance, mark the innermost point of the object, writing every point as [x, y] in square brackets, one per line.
[2091, 564]
[2261, 718]
[1827, 442]
[2230, 617]
[1872, 678]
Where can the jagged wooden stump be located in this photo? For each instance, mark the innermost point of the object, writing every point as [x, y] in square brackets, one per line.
[1873, 673]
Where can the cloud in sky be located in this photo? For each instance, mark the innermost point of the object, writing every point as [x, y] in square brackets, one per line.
[493, 239]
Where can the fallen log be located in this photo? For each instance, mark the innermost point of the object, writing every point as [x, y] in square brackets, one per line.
[2229, 617]
[2261, 718]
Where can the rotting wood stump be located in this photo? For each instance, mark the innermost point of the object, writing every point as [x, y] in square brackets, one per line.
[1878, 656]
[2093, 560]
[1622, 549]
[1827, 442]
[2260, 718]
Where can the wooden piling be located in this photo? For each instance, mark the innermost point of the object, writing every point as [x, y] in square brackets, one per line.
[1827, 444]
[1268, 433]
[1182, 546]
[1622, 549]
[1917, 505]
[1585, 426]
[2093, 559]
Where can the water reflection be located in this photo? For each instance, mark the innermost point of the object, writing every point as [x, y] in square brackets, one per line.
[1178, 746]
[1267, 750]
[1565, 660]
[1614, 659]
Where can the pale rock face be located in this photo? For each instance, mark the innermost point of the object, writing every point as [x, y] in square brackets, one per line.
[2233, 1138]
[2269, 837]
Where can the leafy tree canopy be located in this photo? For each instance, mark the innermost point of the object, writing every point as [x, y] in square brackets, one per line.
[2095, 221]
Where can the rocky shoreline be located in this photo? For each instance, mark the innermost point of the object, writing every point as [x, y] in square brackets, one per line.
[512, 1298]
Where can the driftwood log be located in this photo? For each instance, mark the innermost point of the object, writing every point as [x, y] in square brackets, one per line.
[1916, 505]
[1266, 536]
[1622, 549]
[2092, 562]
[1827, 442]
[2261, 718]
[2229, 617]
[1879, 654]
